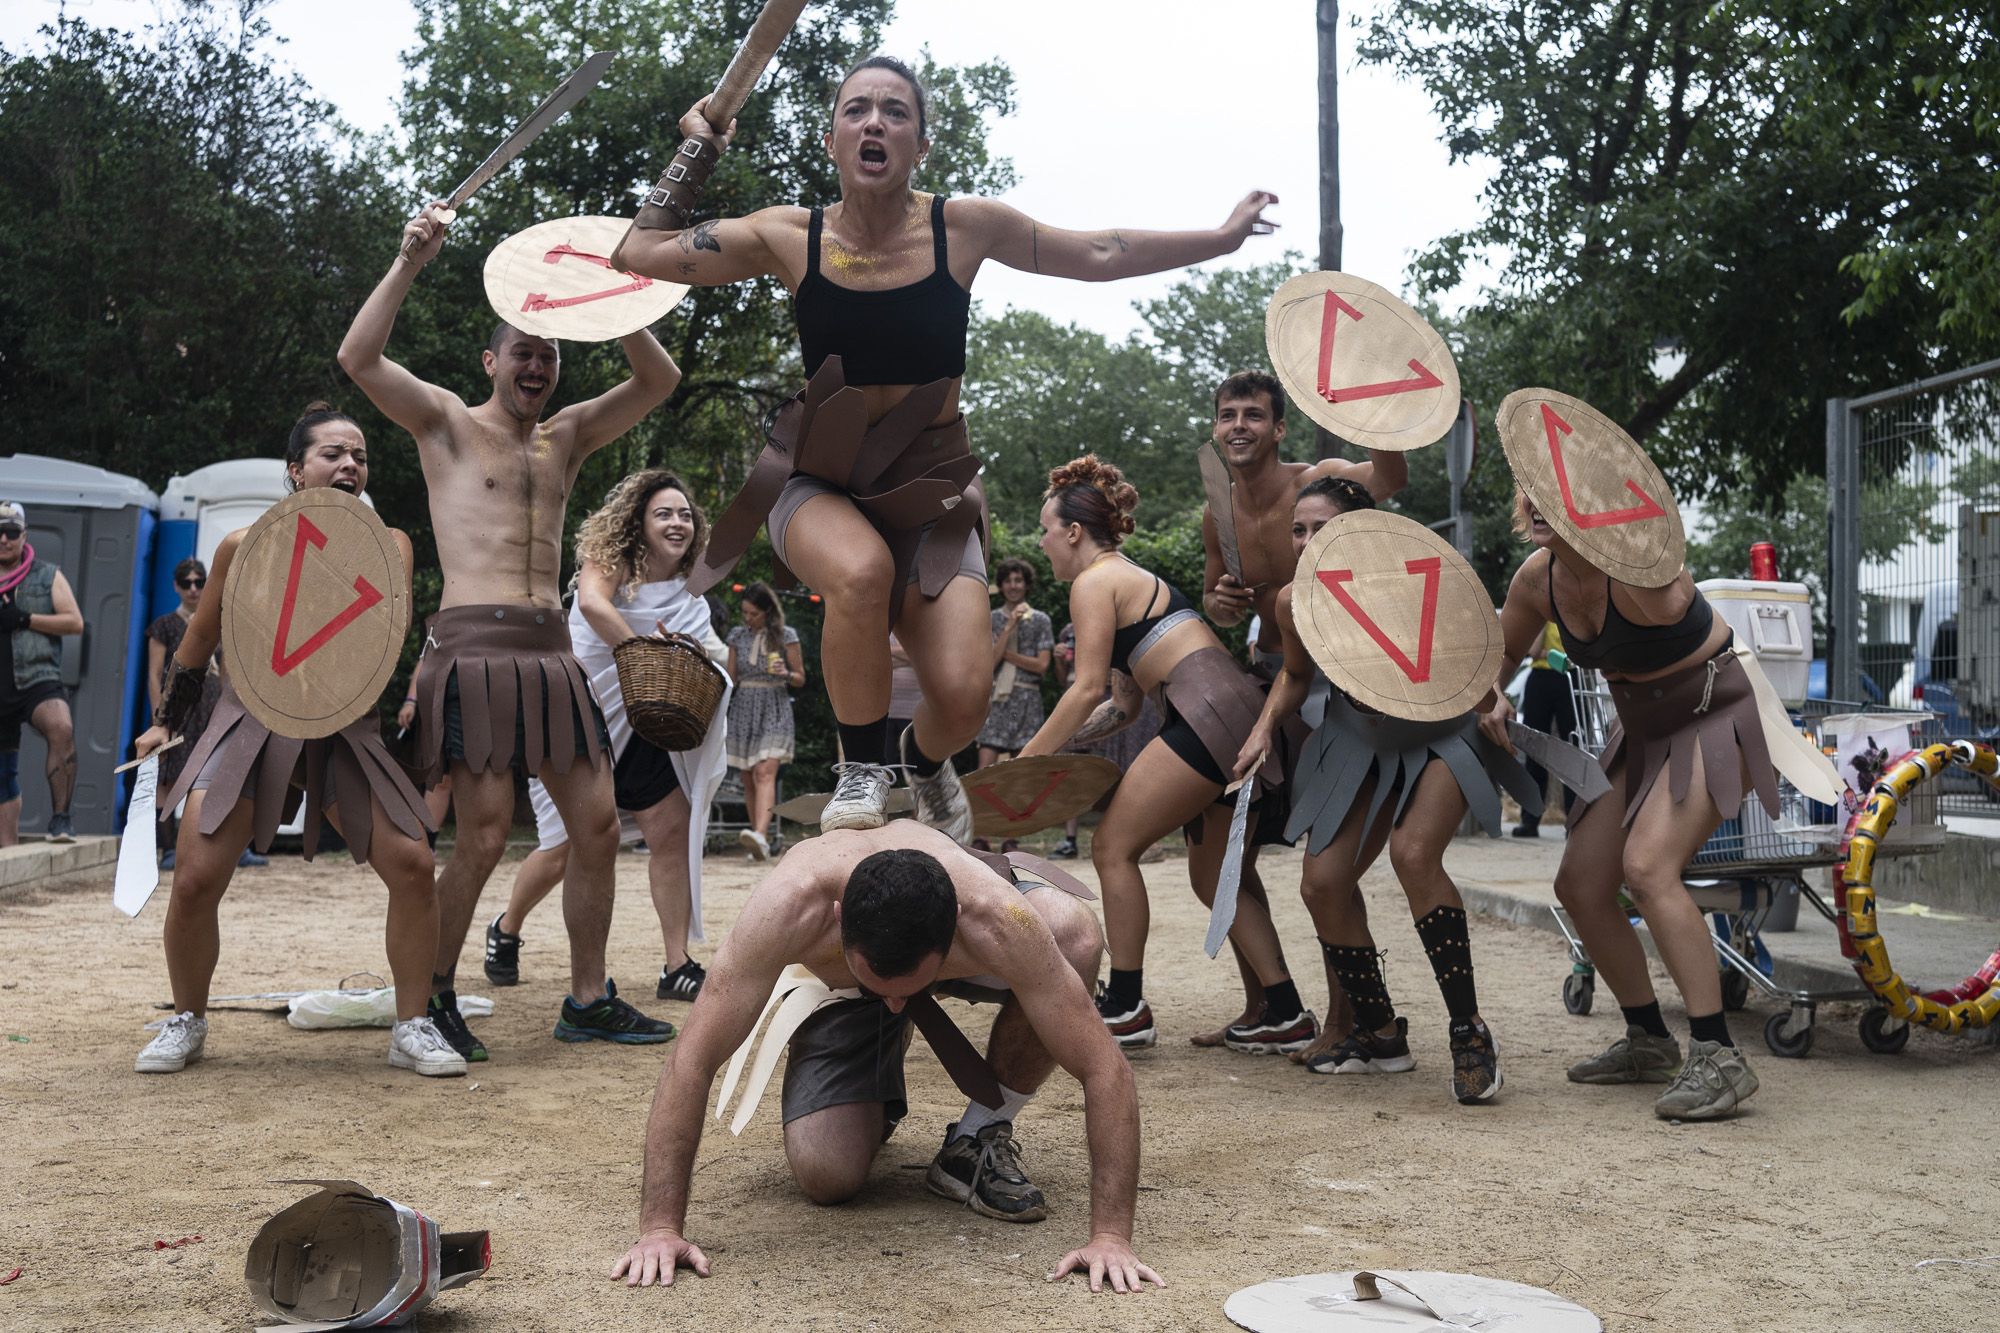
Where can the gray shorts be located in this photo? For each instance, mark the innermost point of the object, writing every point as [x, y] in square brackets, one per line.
[803, 486]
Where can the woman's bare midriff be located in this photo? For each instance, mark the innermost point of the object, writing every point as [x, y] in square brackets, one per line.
[1190, 636]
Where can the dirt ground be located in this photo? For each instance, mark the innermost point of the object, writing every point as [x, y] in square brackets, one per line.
[1810, 1212]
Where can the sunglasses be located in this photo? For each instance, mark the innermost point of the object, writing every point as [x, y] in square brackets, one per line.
[192, 583]
[10, 534]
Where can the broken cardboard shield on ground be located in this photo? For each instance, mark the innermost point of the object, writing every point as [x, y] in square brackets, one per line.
[1016, 797]
[1395, 617]
[344, 1257]
[1360, 362]
[315, 612]
[555, 280]
[1420, 1302]
[1594, 485]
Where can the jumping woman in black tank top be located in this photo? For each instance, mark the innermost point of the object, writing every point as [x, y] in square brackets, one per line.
[1137, 633]
[880, 282]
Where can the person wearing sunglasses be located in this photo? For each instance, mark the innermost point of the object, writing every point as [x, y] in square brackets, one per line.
[37, 608]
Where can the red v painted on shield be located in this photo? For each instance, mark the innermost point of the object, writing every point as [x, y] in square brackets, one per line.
[1555, 427]
[540, 300]
[1016, 815]
[1334, 308]
[284, 661]
[1431, 567]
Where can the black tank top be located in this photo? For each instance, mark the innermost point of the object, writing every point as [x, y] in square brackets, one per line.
[905, 335]
[1631, 649]
[1126, 638]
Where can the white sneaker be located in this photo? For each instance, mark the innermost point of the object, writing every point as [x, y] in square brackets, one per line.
[940, 797]
[754, 843]
[180, 1040]
[415, 1043]
[860, 797]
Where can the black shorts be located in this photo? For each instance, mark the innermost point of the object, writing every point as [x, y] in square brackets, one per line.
[454, 729]
[16, 707]
[644, 775]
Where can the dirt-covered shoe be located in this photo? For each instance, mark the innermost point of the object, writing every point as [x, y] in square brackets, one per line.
[442, 1010]
[860, 797]
[503, 954]
[416, 1043]
[610, 1019]
[1475, 1062]
[1265, 1035]
[1636, 1057]
[180, 1040]
[1131, 1028]
[1714, 1081]
[1365, 1052]
[940, 798]
[983, 1172]
[683, 983]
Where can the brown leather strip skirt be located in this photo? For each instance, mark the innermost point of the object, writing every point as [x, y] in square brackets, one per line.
[1662, 724]
[238, 758]
[521, 698]
[1216, 700]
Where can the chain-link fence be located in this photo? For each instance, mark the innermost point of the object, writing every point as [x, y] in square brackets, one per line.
[1914, 554]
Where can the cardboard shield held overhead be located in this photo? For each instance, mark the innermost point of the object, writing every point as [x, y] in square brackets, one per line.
[554, 280]
[1594, 486]
[315, 612]
[1396, 617]
[1016, 797]
[1360, 362]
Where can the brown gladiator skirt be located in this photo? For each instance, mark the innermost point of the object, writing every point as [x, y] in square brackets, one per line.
[1710, 709]
[1209, 704]
[238, 758]
[499, 688]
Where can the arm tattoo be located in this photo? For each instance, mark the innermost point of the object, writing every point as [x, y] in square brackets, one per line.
[1105, 719]
[1120, 242]
[704, 237]
[1035, 240]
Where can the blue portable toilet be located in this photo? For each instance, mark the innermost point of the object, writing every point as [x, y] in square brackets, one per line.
[97, 528]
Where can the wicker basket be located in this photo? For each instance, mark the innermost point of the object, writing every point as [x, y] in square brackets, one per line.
[671, 689]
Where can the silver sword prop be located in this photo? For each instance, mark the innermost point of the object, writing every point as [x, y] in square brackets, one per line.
[1223, 914]
[567, 94]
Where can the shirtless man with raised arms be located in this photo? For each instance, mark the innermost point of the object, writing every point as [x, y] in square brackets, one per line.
[498, 689]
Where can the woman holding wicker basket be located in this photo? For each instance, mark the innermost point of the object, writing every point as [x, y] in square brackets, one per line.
[650, 653]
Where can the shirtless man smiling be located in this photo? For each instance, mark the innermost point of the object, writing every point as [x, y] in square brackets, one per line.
[498, 689]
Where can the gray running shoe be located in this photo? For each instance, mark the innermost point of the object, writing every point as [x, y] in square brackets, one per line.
[940, 797]
[983, 1172]
[1713, 1082]
[179, 1043]
[1636, 1057]
[860, 797]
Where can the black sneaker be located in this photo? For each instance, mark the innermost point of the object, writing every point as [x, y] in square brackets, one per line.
[1265, 1035]
[1365, 1052]
[1130, 1028]
[1475, 1063]
[983, 1172]
[683, 983]
[1064, 850]
[59, 829]
[610, 1019]
[503, 955]
[442, 1009]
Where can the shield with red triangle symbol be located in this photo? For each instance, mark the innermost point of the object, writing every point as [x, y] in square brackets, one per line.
[1395, 617]
[1591, 483]
[314, 613]
[1360, 362]
[1016, 797]
[555, 280]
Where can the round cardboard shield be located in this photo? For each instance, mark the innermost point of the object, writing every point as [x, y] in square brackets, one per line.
[1395, 617]
[315, 612]
[1016, 797]
[554, 281]
[1594, 486]
[1360, 362]
[1384, 1300]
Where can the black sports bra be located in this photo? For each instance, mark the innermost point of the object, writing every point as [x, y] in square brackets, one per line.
[904, 335]
[1631, 649]
[1125, 639]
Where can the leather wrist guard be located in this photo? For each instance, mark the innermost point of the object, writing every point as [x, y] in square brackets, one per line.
[179, 697]
[670, 205]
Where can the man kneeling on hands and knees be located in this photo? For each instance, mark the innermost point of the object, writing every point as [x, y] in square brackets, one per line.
[859, 930]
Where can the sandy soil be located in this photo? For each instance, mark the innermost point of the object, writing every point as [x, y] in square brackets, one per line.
[1810, 1212]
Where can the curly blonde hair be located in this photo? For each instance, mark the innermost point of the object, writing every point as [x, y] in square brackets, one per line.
[1094, 495]
[614, 537]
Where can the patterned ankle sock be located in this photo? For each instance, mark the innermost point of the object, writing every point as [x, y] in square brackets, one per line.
[1360, 974]
[1449, 945]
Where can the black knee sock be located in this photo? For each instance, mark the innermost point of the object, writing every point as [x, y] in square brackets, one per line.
[1282, 1001]
[1710, 1027]
[913, 754]
[1449, 945]
[1360, 973]
[1646, 1016]
[1123, 990]
[865, 742]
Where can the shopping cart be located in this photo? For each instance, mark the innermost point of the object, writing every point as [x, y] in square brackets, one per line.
[1749, 866]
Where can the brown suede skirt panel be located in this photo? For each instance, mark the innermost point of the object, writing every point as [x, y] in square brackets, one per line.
[513, 675]
[1709, 709]
[238, 758]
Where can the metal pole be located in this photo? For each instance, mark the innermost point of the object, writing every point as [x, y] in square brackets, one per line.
[1843, 550]
[1329, 162]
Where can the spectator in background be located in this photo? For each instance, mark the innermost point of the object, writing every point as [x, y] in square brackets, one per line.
[36, 609]
[1022, 641]
[1120, 747]
[1547, 704]
[766, 664]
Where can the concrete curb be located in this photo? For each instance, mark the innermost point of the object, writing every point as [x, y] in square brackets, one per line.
[33, 865]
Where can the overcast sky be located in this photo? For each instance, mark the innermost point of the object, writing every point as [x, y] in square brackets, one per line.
[1160, 123]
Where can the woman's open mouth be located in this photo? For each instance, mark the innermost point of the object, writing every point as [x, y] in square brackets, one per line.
[874, 155]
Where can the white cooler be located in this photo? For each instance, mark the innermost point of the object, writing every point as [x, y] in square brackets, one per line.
[1774, 621]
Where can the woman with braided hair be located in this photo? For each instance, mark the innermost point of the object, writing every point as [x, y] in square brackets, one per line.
[236, 796]
[1140, 635]
[869, 484]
